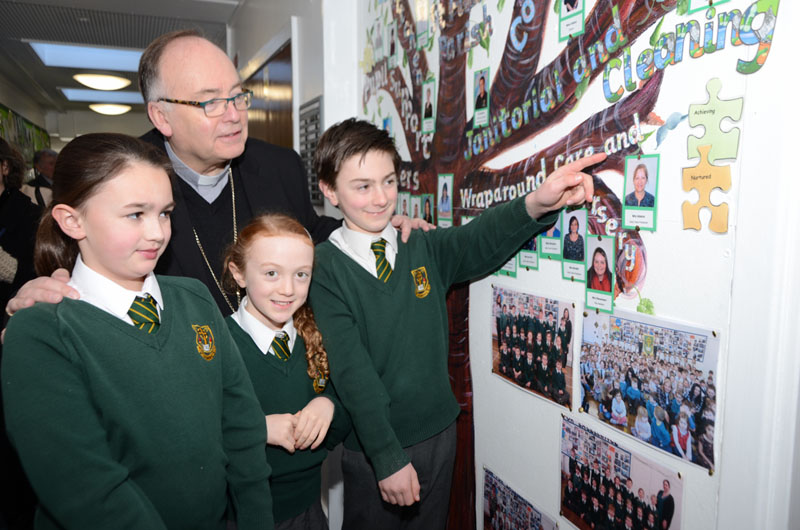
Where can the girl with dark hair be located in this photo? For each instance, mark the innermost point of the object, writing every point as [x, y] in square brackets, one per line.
[275, 330]
[130, 407]
[599, 277]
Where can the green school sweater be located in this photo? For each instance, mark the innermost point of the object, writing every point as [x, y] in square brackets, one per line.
[387, 342]
[284, 387]
[116, 428]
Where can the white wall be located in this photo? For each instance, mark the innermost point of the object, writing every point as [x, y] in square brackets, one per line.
[754, 289]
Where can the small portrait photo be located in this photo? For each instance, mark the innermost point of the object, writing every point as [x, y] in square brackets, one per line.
[445, 188]
[600, 273]
[641, 192]
[481, 98]
[571, 6]
[416, 207]
[427, 207]
[641, 180]
[550, 240]
[429, 106]
[574, 230]
[403, 199]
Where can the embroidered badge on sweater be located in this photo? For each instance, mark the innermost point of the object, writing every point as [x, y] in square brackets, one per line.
[422, 287]
[319, 384]
[204, 339]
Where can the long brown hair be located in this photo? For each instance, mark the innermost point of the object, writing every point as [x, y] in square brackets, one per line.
[16, 165]
[271, 225]
[82, 166]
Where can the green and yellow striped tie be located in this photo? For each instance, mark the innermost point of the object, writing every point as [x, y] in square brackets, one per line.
[280, 346]
[382, 266]
[144, 313]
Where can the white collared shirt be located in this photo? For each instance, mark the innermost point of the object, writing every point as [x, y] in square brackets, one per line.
[357, 246]
[261, 334]
[208, 187]
[109, 296]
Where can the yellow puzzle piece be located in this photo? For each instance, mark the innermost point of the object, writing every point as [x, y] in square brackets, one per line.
[704, 177]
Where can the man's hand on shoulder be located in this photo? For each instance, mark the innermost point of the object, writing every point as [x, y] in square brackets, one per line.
[401, 487]
[405, 224]
[48, 289]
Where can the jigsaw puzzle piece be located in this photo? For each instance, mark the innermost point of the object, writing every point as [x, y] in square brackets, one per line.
[704, 177]
[724, 144]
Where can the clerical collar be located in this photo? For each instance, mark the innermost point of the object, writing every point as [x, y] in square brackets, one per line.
[192, 177]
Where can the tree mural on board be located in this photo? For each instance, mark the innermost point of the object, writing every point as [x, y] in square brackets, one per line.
[526, 100]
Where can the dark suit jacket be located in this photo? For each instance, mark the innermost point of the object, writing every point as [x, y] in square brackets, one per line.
[274, 181]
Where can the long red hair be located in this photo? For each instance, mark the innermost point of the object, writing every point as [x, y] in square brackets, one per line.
[272, 225]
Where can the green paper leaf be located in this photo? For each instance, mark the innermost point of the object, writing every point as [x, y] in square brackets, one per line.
[500, 4]
[682, 7]
[656, 33]
[557, 7]
[405, 58]
[469, 58]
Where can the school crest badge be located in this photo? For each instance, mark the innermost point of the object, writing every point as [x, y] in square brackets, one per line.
[320, 383]
[421, 285]
[204, 339]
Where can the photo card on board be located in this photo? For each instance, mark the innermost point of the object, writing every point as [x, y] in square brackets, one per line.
[532, 343]
[429, 106]
[606, 485]
[481, 79]
[444, 210]
[573, 248]
[601, 274]
[571, 15]
[403, 203]
[640, 206]
[550, 240]
[415, 207]
[654, 380]
[505, 508]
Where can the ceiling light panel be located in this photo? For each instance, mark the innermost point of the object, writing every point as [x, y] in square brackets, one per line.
[87, 57]
[101, 96]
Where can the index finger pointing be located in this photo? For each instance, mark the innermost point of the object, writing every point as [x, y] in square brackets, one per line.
[586, 161]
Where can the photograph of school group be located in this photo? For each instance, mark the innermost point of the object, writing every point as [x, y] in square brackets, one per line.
[505, 509]
[606, 487]
[653, 380]
[531, 338]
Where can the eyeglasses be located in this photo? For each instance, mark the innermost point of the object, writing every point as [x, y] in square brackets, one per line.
[217, 106]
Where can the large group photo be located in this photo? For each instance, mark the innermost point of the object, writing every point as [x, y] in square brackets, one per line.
[605, 486]
[505, 509]
[531, 343]
[652, 379]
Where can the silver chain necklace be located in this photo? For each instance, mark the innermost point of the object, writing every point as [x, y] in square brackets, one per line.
[235, 237]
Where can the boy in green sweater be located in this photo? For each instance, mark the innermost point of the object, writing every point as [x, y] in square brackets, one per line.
[380, 305]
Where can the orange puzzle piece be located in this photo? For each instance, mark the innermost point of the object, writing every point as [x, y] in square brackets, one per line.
[704, 177]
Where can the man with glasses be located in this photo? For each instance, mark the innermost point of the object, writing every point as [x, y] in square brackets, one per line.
[198, 106]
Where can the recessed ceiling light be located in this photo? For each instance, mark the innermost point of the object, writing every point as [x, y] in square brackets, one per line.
[102, 96]
[102, 81]
[110, 109]
[87, 57]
